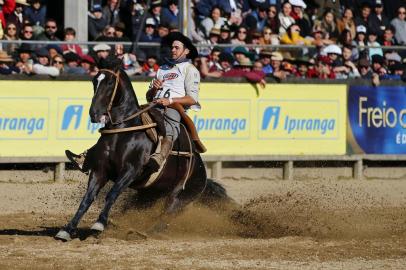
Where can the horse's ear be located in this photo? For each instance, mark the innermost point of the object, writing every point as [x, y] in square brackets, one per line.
[111, 62]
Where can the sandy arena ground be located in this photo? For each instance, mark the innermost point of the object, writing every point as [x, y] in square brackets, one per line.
[344, 224]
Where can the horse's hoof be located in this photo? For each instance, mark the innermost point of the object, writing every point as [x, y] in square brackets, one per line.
[98, 226]
[63, 235]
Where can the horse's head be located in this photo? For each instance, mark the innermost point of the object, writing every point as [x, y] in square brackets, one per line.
[112, 89]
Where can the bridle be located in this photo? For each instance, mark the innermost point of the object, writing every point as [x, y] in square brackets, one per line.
[109, 107]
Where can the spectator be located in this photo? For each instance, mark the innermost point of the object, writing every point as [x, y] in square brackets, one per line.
[348, 53]
[110, 12]
[231, 7]
[28, 34]
[272, 20]
[96, 22]
[378, 65]
[258, 18]
[333, 5]
[108, 34]
[42, 67]
[134, 18]
[267, 38]
[265, 58]
[372, 41]
[89, 65]
[319, 37]
[333, 53]
[324, 69]
[163, 30]
[149, 34]
[393, 58]
[241, 54]
[347, 22]
[6, 64]
[301, 18]
[285, 20]
[36, 14]
[11, 35]
[17, 16]
[214, 58]
[399, 23]
[50, 31]
[389, 36]
[6, 8]
[130, 63]
[292, 36]
[70, 35]
[120, 32]
[346, 40]
[58, 62]
[277, 69]
[154, 12]
[302, 67]
[360, 41]
[225, 64]
[170, 14]
[225, 35]
[151, 66]
[244, 69]
[329, 26]
[378, 21]
[364, 69]
[241, 36]
[53, 50]
[72, 66]
[25, 59]
[364, 16]
[102, 51]
[214, 21]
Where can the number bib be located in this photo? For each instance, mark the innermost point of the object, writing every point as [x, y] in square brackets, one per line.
[173, 81]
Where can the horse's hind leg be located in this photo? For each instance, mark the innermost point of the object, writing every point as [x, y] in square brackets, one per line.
[96, 182]
[111, 197]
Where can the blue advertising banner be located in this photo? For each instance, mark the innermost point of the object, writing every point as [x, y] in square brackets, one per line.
[377, 120]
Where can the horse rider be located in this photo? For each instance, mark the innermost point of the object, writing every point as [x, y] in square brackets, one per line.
[177, 80]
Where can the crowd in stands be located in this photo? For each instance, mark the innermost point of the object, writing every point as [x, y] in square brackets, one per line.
[335, 39]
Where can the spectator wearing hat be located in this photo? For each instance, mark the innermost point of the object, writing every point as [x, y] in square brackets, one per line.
[347, 22]
[149, 34]
[378, 21]
[42, 66]
[7, 64]
[392, 58]
[214, 36]
[110, 12]
[241, 54]
[373, 41]
[120, 32]
[89, 65]
[272, 20]
[70, 36]
[6, 7]
[364, 68]
[360, 41]
[285, 20]
[277, 68]
[225, 34]
[17, 16]
[96, 22]
[154, 12]
[378, 65]
[102, 51]
[50, 31]
[399, 23]
[25, 59]
[170, 13]
[265, 56]
[301, 18]
[72, 65]
[216, 20]
[36, 13]
[302, 67]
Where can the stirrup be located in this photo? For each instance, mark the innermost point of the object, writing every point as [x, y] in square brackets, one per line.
[77, 160]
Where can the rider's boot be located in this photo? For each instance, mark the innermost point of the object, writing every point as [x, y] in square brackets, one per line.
[78, 160]
[158, 159]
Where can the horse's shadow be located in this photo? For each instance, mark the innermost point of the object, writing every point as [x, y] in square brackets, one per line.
[81, 234]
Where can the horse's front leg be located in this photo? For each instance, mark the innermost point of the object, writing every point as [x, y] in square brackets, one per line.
[96, 182]
[122, 183]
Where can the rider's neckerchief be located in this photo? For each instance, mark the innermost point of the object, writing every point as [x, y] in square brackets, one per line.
[169, 63]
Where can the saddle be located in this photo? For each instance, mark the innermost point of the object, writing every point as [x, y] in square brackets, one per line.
[153, 116]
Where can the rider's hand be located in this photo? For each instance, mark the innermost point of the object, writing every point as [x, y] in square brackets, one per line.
[156, 84]
[163, 101]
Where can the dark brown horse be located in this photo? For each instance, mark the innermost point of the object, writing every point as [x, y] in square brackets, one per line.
[122, 157]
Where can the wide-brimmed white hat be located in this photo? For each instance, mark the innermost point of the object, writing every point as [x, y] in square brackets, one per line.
[101, 47]
[332, 49]
[298, 3]
[22, 2]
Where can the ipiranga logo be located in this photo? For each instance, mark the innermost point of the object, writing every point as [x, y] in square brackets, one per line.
[298, 119]
[74, 120]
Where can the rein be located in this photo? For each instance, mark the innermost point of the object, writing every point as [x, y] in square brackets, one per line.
[138, 113]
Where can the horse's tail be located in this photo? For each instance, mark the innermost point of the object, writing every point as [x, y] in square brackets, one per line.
[215, 194]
